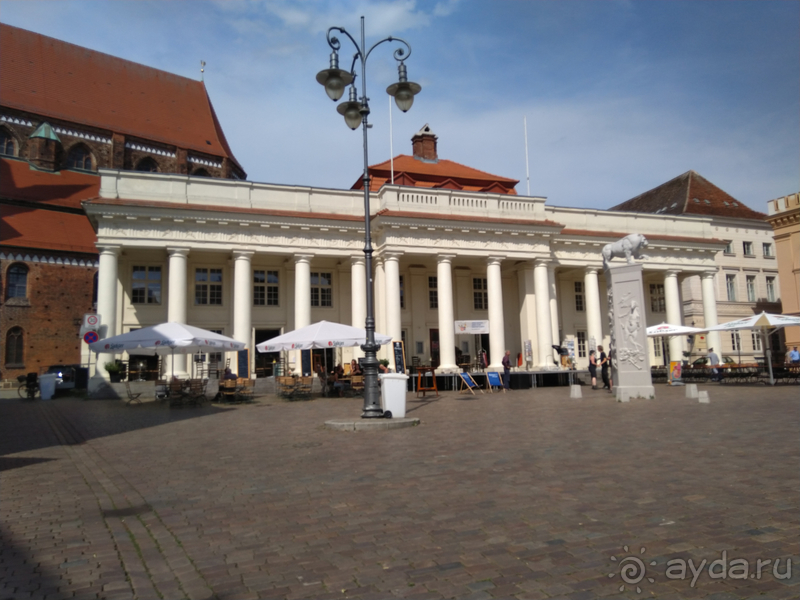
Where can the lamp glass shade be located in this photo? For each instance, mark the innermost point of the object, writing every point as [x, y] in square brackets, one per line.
[334, 80]
[351, 111]
[404, 92]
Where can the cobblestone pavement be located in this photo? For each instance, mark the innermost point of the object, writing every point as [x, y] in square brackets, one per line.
[522, 495]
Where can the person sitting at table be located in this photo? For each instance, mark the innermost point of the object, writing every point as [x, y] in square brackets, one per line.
[335, 379]
[355, 368]
[229, 375]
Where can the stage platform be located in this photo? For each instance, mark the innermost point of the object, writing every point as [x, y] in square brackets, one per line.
[520, 380]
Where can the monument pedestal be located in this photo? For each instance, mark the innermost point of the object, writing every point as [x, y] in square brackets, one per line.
[629, 350]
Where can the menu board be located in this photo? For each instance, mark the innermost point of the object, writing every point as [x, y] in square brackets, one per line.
[243, 363]
[399, 357]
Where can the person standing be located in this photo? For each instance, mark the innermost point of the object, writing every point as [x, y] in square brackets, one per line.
[603, 362]
[593, 368]
[794, 355]
[507, 370]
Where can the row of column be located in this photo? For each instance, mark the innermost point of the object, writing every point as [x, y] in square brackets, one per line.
[538, 281]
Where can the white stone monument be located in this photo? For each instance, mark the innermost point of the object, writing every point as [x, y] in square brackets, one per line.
[630, 370]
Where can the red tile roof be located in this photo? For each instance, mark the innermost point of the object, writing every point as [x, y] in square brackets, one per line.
[40, 229]
[58, 80]
[440, 174]
[19, 181]
[689, 193]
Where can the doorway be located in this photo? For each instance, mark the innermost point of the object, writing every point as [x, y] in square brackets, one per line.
[266, 362]
[434, 345]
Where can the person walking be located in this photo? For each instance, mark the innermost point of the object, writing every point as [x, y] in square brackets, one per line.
[604, 368]
[593, 368]
[713, 362]
[507, 370]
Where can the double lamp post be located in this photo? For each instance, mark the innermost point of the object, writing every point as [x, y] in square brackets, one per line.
[355, 112]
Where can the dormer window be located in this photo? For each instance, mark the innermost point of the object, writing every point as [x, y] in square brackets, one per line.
[80, 158]
[147, 165]
[7, 145]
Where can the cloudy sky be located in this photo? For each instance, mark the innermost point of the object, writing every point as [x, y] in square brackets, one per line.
[619, 96]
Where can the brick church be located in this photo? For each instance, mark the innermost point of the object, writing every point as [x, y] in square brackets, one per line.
[65, 112]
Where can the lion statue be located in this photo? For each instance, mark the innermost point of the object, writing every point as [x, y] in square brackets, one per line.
[630, 247]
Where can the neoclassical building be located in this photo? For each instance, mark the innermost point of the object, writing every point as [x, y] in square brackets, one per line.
[253, 260]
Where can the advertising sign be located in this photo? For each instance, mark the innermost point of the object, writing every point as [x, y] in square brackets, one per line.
[675, 373]
[472, 327]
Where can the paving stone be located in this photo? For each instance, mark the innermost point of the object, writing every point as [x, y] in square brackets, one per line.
[531, 496]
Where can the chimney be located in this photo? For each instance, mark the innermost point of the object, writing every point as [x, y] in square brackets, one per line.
[424, 145]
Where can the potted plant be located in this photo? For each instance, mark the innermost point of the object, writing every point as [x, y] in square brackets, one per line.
[385, 363]
[114, 371]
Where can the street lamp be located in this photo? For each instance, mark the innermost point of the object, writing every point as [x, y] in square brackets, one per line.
[355, 111]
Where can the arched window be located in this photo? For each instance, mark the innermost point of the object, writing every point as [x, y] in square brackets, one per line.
[17, 281]
[14, 346]
[79, 158]
[148, 165]
[8, 147]
[201, 173]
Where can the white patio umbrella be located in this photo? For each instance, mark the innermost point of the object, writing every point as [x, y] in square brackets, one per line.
[167, 339]
[763, 322]
[667, 329]
[322, 335]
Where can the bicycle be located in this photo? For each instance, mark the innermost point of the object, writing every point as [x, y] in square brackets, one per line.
[29, 386]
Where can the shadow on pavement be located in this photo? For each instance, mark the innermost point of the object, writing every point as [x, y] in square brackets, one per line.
[26, 426]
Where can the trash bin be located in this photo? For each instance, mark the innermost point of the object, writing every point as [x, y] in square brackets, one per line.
[47, 385]
[393, 393]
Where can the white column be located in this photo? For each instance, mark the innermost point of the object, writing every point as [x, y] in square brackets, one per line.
[497, 337]
[527, 313]
[358, 296]
[544, 336]
[107, 275]
[243, 297]
[176, 305]
[302, 300]
[672, 298]
[553, 287]
[707, 281]
[447, 328]
[594, 323]
[391, 266]
[379, 302]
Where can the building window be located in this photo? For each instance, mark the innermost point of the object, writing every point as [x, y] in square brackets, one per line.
[751, 288]
[147, 165]
[402, 294]
[208, 287]
[736, 341]
[748, 248]
[215, 358]
[146, 285]
[17, 282]
[7, 145]
[771, 295]
[480, 294]
[79, 158]
[579, 296]
[729, 247]
[201, 173]
[657, 347]
[658, 301]
[581, 336]
[767, 249]
[433, 292]
[730, 284]
[14, 347]
[265, 288]
[321, 289]
[755, 336]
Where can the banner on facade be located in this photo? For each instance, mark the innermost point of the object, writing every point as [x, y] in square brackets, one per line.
[472, 327]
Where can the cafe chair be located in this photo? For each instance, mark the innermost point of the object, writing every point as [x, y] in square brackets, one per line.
[227, 390]
[162, 389]
[196, 394]
[247, 390]
[176, 393]
[357, 384]
[131, 396]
